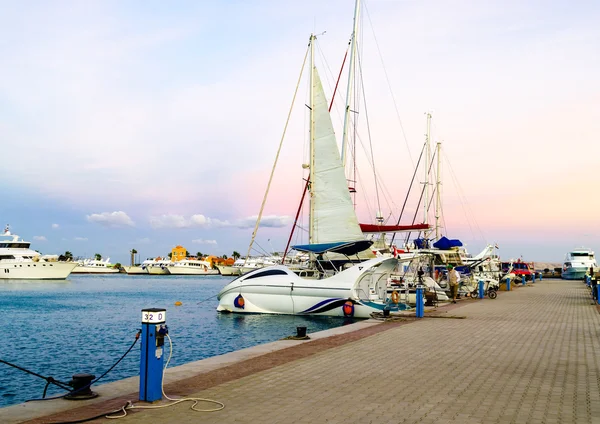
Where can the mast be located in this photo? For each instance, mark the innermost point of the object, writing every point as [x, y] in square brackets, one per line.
[427, 159]
[437, 193]
[312, 138]
[350, 80]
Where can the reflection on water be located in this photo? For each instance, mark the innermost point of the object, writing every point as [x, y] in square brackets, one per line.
[86, 323]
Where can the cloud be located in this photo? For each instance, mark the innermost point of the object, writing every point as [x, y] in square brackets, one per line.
[202, 221]
[111, 219]
[144, 240]
[201, 241]
[272, 221]
[180, 221]
[40, 238]
[80, 238]
[55, 226]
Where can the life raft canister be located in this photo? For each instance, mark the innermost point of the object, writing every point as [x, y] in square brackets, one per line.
[239, 302]
[348, 309]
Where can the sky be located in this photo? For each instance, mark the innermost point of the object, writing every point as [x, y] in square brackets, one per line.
[149, 124]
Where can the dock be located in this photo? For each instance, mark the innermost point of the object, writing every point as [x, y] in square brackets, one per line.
[530, 356]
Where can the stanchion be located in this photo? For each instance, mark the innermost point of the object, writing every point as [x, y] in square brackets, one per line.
[508, 284]
[480, 293]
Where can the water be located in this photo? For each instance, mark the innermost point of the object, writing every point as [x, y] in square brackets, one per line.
[85, 324]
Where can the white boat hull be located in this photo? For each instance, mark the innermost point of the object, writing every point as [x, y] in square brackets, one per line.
[35, 270]
[278, 290]
[94, 270]
[228, 270]
[135, 270]
[184, 270]
[157, 270]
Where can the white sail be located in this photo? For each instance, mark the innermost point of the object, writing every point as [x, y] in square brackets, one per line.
[334, 218]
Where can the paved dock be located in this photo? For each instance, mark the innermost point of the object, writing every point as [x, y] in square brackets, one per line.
[530, 356]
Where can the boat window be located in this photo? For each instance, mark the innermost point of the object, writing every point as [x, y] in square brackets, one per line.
[6, 257]
[267, 273]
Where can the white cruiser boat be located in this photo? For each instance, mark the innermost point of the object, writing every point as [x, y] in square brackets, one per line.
[19, 262]
[191, 267]
[229, 270]
[95, 266]
[577, 264]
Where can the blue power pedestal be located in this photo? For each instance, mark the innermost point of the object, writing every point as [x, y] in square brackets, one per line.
[154, 329]
[420, 304]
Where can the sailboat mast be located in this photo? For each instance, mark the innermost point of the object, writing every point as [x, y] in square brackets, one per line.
[437, 193]
[350, 81]
[312, 138]
[427, 159]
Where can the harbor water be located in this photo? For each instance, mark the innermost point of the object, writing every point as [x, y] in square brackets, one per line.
[85, 324]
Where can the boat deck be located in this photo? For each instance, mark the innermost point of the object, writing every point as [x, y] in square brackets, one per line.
[530, 356]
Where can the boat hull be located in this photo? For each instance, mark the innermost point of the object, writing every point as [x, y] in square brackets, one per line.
[278, 290]
[94, 270]
[35, 270]
[135, 270]
[228, 270]
[175, 270]
[574, 273]
[157, 270]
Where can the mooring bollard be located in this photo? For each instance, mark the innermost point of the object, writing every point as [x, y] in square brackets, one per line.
[588, 280]
[597, 290]
[508, 284]
[533, 277]
[154, 330]
[480, 293]
[540, 276]
[420, 307]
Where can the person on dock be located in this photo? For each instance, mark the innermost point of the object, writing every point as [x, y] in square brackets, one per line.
[453, 280]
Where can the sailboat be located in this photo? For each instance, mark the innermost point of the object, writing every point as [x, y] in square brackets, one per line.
[356, 291]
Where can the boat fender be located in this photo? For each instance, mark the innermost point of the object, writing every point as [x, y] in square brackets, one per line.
[239, 302]
[178, 303]
[395, 297]
[348, 309]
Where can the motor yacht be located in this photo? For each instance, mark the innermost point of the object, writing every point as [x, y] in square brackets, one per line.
[19, 262]
[191, 267]
[577, 263]
[95, 266]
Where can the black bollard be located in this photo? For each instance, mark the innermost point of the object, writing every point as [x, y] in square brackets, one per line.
[81, 384]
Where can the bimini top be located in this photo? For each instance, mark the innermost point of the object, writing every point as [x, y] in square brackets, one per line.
[445, 244]
[343, 247]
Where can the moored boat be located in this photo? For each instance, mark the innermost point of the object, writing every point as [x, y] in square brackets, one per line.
[19, 262]
[577, 263]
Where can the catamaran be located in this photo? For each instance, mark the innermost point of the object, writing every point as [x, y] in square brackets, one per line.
[345, 288]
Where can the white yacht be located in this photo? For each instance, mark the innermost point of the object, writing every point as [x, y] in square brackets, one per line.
[159, 266]
[95, 266]
[230, 270]
[141, 269]
[191, 267]
[578, 263]
[19, 262]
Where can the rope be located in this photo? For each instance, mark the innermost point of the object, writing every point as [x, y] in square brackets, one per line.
[87, 386]
[49, 379]
[131, 405]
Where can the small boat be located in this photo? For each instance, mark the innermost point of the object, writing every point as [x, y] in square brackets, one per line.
[19, 262]
[95, 266]
[577, 264]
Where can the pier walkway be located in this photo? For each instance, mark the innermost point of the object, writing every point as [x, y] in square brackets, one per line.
[530, 356]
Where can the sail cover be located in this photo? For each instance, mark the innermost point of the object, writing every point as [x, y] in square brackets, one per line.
[446, 244]
[350, 248]
[333, 216]
[374, 228]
